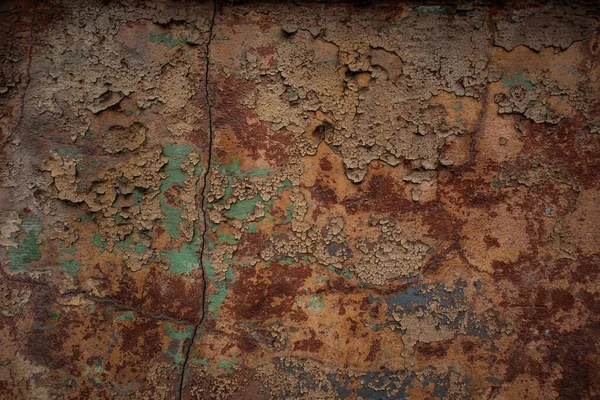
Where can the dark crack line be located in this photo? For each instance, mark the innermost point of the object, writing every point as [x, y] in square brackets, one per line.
[26, 280]
[189, 343]
[121, 306]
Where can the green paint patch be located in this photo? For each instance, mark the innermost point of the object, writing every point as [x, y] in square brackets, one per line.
[224, 238]
[64, 151]
[168, 39]
[28, 250]
[341, 272]
[458, 107]
[518, 79]
[290, 213]
[98, 242]
[170, 203]
[126, 316]
[227, 364]
[457, 119]
[286, 184]
[287, 260]
[128, 243]
[252, 228]
[70, 266]
[138, 196]
[235, 170]
[431, 9]
[216, 299]
[173, 220]
[184, 260]
[177, 356]
[177, 334]
[129, 113]
[242, 208]
[317, 302]
[496, 183]
[292, 93]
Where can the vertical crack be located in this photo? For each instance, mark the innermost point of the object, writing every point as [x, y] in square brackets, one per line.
[189, 342]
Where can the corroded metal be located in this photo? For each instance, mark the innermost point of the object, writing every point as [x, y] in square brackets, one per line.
[271, 200]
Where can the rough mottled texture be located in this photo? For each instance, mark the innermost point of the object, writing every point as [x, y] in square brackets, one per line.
[299, 200]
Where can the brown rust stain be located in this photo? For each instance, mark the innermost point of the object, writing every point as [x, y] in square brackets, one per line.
[375, 228]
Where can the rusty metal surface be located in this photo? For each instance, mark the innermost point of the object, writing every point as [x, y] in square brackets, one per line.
[279, 200]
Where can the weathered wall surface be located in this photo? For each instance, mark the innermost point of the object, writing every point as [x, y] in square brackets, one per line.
[278, 200]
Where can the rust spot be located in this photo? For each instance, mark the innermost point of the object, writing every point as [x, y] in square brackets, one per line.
[434, 349]
[374, 350]
[255, 137]
[325, 164]
[311, 344]
[491, 241]
[266, 293]
[562, 299]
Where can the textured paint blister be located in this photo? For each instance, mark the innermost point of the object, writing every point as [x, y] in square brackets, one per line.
[307, 200]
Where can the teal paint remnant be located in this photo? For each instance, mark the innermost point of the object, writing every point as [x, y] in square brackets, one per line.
[138, 196]
[126, 316]
[129, 113]
[290, 213]
[216, 299]
[70, 266]
[317, 302]
[177, 334]
[287, 260]
[286, 184]
[242, 208]
[28, 250]
[518, 79]
[98, 242]
[458, 107]
[227, 364]
[341, 272]
[496, 183]
[168, 39]
[64, 151]
[431, 9]
[170, 203]
[234, 169]
[128, 243]
[252, 228]
[185, 259]
[229, 239]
